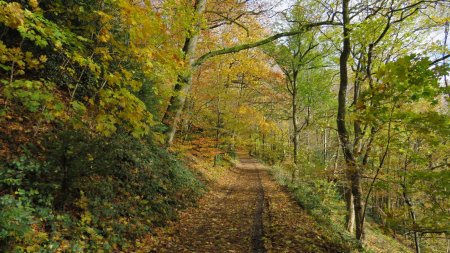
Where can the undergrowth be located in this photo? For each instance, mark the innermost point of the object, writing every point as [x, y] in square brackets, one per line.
[320, 200]
[90, 194]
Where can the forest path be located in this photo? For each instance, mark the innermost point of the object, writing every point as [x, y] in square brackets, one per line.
[244, 211]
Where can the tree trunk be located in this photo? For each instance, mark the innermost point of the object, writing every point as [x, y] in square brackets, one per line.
[357, 203]
[295, 138]
[188, 106]
[335, 165]
[218, 125]
[446, 31]
[350, 216]
[353, 172]
[184, 81]
[296, 130]
[413, 217]
[410, 207]
[263, 142]
[325, 144]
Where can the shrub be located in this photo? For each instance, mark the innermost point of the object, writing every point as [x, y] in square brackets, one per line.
[91, 193]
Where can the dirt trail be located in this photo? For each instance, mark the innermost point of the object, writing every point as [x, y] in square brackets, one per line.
[246, 211]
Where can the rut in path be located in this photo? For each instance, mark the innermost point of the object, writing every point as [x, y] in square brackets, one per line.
[258, 227]
[246, 211]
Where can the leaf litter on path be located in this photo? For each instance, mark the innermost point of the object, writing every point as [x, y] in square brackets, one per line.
[244, 211]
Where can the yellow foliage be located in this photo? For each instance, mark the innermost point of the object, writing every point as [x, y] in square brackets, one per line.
[11, 14]
[33, 3]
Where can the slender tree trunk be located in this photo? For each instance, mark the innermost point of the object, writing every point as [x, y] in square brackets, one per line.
[446, 31]
[353, 171]
[184, 81]
[218, 125]
[336, 161]
[350, 216]
[295, 138]
[413, 217]
[263, 139]
[325, 144]
[409, 204]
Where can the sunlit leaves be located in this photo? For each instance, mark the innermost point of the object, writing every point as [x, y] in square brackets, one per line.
[100, 65]
[407, 81]
[121, 107]
[11, 14]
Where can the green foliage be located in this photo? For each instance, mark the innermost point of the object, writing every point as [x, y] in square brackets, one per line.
[35, 96]
[404, 82]
[117, 189]
[24, 208]
[16, 220]
[21, 222]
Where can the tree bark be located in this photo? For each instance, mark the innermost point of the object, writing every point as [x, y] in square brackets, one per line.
[296, 131]
[350, 216]
[353, 171]
[218, 126]
[184, 81]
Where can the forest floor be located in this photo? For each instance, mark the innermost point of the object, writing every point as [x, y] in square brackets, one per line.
[243, 211]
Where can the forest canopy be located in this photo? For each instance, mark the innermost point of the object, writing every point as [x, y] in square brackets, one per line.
[99, 100]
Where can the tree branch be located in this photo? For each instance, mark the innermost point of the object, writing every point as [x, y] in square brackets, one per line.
[440, 59]
[238, 48]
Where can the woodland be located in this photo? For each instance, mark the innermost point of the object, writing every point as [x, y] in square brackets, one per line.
[117, 115]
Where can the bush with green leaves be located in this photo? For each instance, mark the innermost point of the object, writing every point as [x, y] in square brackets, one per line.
[91, 193]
